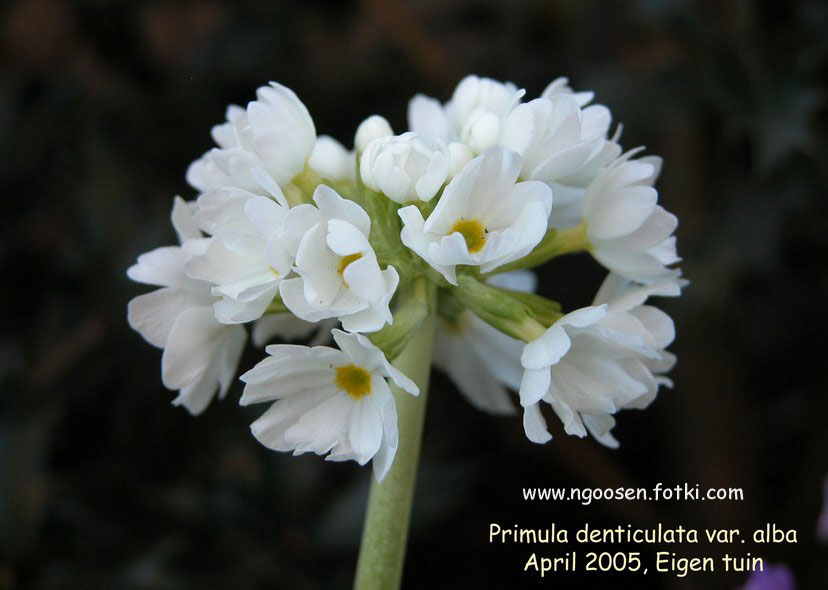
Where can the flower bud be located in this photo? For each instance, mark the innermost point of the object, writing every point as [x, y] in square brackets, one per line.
[329, 159]
[478, 108]
[374, 127]
[481, 131]
[405, 167]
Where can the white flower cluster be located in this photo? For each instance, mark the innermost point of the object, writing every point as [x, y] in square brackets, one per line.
[296, 233]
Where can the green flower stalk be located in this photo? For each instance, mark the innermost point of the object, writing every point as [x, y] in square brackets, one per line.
[385, 532]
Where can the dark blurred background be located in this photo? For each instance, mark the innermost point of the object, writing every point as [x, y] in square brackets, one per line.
[103, 484]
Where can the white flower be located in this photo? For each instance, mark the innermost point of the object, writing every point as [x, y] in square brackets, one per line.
[483, 217]
[622, 295]
[405, 167]
[555, 138]
[480, 359]
[561, 86]
[339, 275]
[372, 128]
[474, 115]
[597, 360]
[569, 191]
[331, 160]
[328, 401]
[428, 118]
[478, 108]
[563, 142]
[200, 354]
[629, 232]
[274, 135]
[245, 259]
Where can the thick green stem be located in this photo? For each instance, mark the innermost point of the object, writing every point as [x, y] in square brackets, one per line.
[385, 533]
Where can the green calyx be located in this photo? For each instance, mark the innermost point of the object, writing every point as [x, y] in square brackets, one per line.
[555, 243]
[385, 234]
[544, 310]
[503, 310]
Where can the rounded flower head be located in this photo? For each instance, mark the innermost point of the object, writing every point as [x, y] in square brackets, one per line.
[468, 191]
[597, 360]
[339, 275]
[405, 167]
[629, 232]
[484, 218]
[274, 135]
[328, 401]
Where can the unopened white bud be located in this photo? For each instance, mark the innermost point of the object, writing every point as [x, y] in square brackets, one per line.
[329, 159]
[406, 167]
[374, 127]
[481, 131]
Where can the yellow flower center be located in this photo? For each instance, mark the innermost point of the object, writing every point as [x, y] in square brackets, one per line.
[346, 260]
[275, 272]
[353, 380]
[473, 232]
[343, 264]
